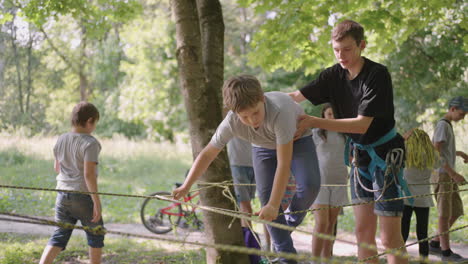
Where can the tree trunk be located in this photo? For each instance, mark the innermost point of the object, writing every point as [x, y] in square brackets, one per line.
[201, 79]
[29, 72]
[16, 57]
[84, 89]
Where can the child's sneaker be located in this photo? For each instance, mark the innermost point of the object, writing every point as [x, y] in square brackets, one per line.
[454, 257]
[434, 248]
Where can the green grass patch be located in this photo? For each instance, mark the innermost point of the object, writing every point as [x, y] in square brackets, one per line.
[126, 167]
[20, 248]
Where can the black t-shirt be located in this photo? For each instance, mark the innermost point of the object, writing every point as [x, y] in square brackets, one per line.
[369, 94]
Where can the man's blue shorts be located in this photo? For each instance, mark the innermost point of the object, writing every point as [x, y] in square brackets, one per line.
[69, 208]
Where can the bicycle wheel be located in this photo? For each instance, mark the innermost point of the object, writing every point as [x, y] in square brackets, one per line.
[193, 218]
[160, 216]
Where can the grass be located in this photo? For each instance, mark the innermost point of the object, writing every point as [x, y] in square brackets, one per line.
[20, 248]
[125, 167]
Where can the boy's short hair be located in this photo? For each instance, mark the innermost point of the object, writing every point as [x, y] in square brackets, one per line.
[241, 92]
[348, 28]
[459, 102]
[82, 112]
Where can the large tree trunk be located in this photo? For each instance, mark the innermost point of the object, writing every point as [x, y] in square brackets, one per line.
[201, 92]
[2, 60]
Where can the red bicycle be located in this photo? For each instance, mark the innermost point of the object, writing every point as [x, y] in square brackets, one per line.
[160, 216]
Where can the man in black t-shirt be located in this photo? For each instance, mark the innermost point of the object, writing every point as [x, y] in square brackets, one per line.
[361, 94]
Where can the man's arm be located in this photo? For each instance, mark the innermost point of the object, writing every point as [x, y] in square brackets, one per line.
[91, 183]
[200, 165]
[450, 171]
[297, 96]
[357, 125]
[283, 170]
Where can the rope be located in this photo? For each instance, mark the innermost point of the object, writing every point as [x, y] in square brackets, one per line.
[224, 247]
[373, 201]
[229, 183]
[236, 214]
[414, 243]
[228, 210]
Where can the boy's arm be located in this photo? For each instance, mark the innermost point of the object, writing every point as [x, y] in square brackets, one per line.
[450, 171]
[57, 166]
[462, 155]
[200, 165]
[357, 125]
[297, 96]
[283, 170]
[91, 183]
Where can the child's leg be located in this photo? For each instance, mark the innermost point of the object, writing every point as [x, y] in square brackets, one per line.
[406, 221]
[95, 255]
[389, 214]
[328, 244]
[390, 234]
[244, 193]
[304, 165]
[321, 226]
[365, 218]
[265, 163]
[61, 236]
[366, 226]
[49, 254]
[422, 222]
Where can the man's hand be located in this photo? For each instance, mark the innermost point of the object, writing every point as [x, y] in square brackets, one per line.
[180, 192]
[304, 122]
[268, 213]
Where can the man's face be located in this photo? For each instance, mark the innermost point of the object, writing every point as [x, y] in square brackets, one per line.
[253, 116]
[347, 52]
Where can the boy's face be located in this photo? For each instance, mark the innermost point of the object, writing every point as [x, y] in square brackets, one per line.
[253, 116]
[91, 125]
[457, 114]
[347, 52]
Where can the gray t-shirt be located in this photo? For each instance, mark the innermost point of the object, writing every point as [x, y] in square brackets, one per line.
[71, 151]
[420, 177]
[444, 133]
[330, 156]
[278, 128]
[239, 152]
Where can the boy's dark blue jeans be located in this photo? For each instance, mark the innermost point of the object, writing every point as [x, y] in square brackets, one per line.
[69, 208]
[305, 168]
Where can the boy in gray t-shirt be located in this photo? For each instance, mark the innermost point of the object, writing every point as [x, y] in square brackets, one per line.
[449, 203]
[268, 121]
[76, 158]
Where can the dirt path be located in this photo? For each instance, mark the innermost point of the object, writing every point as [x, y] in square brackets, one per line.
[302, 241]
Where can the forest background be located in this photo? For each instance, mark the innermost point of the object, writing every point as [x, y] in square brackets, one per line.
[121, 56]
